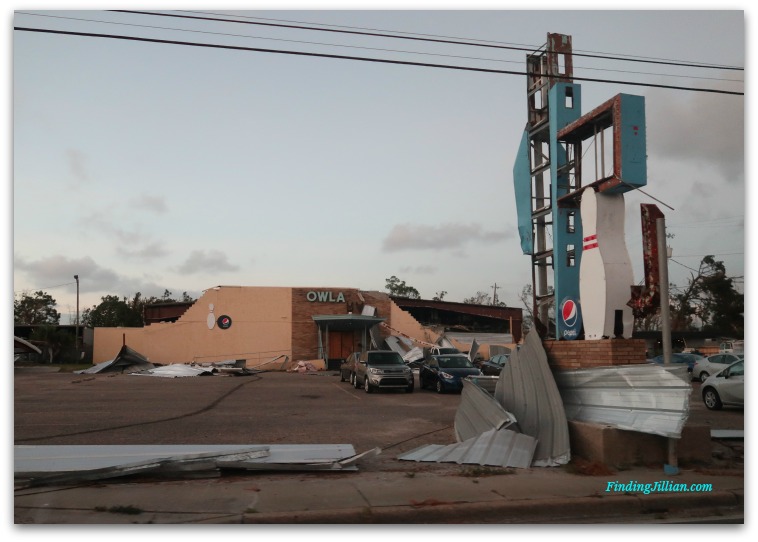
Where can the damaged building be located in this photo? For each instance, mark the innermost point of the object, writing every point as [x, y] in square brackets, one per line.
[257, 324]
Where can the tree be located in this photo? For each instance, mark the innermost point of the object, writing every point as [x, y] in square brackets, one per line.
[399, 288]
[112, 312]
[35, 309]
[527, 299]
[709, 299]
[480, 298]
[439, 296]
[54, 342]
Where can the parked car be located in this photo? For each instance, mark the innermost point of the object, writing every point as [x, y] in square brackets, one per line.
[347, 367]
[494, 365]
[445, 372]
[679, 358]
[732, 347]
[382, 369]
[711, 365]
[725, 388]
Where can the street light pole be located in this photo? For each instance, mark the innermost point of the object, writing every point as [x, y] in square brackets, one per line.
[76, 342]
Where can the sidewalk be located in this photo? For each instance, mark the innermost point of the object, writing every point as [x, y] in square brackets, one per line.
[550, 495]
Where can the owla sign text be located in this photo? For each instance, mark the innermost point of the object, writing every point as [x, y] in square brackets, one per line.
[324, 297]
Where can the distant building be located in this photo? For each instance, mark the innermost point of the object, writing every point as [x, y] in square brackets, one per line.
[260, 323]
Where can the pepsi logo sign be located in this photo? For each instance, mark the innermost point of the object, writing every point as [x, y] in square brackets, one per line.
[570, 321]
[224, 322]
[569, 312]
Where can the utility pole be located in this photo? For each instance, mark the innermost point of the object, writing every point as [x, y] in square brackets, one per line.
[663, 270]
[494, 295]
[76, 341]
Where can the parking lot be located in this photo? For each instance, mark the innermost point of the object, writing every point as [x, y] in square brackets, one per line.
[268, 408]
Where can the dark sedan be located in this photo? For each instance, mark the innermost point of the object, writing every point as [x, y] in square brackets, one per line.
[494, 365]
[445, 372]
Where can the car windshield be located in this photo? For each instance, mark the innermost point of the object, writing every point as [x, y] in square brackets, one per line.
[385, 358]
[453, 362]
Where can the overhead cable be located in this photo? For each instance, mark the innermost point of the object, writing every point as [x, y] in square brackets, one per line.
[363, 47]
[433, 40]
[362, 59]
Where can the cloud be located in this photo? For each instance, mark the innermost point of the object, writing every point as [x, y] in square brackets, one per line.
[156, 204]
[701, 129]
[443, 237]
[57, 269]
[212, 261]
[150, 251]
[129, 243]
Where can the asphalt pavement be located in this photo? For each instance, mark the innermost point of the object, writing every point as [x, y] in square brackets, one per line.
[122, 409]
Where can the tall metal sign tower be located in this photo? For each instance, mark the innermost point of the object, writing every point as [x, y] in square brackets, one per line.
[551, 173]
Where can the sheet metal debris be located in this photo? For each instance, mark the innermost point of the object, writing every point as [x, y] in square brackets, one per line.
[645, 398]
[126, 361]
[53, 465]
[527, 389]
[478, 413]
[176, 370]
[728, 433]
[501, 448]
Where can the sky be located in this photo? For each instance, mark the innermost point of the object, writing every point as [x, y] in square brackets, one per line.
[145, 167]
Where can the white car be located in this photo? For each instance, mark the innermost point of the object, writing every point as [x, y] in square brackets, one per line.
[711, 365]
[726, 388]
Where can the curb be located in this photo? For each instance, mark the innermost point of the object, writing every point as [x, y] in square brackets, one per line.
[557, 510]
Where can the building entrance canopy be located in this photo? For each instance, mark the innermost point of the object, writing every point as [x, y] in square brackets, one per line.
[338, 334]
[346, 322]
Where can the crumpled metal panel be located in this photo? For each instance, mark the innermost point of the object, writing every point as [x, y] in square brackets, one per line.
[176, 370]
[500, 448]
[478, 412]
[43, 465]
[645, 398]
[527, 389]
[126, 361]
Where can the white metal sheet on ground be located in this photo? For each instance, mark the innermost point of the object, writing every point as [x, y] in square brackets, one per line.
[176, 370]
[728, 433]
[60, 459]
[646, 398]
[501, 448]
[478, 412]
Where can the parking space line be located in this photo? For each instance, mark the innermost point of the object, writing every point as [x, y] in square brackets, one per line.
[342, 388]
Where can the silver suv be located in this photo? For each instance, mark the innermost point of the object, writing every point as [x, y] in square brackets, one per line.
[382, 369]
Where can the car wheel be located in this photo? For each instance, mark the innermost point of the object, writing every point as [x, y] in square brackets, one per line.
[342, 376]
[409, 389]
[439, 388]
[367, 387]
[356, 385]
[711, 399]
[704, 376]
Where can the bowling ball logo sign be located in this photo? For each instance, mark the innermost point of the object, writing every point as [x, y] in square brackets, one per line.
[571, 319]
[224, 322]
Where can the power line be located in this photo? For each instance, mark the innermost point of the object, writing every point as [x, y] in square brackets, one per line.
[227, 34]
[533, 48]
[362, 59]
[433, 40]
